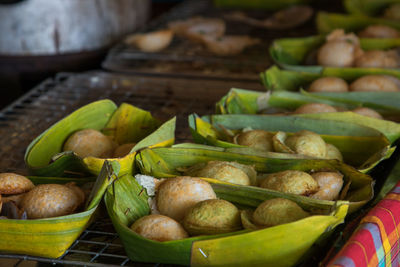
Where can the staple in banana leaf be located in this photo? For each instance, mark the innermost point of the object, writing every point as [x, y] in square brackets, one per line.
[126, 201]
[327, 22]
[361, 146]
[168, 162]
[239, 101]
[126, 124]
[367, 7]
[51, 237]
[291, 53]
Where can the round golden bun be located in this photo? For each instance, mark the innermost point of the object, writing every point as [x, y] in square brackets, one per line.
[50, 200]
[12, 183]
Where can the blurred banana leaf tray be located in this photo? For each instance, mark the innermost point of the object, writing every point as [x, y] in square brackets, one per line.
[186, 58]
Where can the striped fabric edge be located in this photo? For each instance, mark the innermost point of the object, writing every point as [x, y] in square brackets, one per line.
[376, 241]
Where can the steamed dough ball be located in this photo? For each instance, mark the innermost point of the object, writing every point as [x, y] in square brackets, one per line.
[368, 112]
[50, 200]
[307, 143]
[159, 228]
[231, 172]
[375, 83]
[90, 143]
[332, 152]
[176, 195]
[330, 184]
[329, 84]
[258, 139]
[379, 31]
[378, 59]
[339, 53]
[278, 211]
[12, 183]
[212, 216]
[152, 41]
[290, 181]
[314, 108]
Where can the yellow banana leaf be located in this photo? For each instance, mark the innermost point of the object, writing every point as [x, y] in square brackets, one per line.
[126, 201]
[168, 162]
[361, 146]
[51, 237]
[44, 156]
[239, 101]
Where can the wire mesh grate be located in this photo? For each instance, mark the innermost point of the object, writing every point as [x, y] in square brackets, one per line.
[187, 58]
[52, 100]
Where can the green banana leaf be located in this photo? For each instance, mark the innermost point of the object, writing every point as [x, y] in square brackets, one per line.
[51, 237]
[170, 161]
[367, 7]
[361, 146]
[239, 101]
[290, 53]
[258, 4]
[276, 79]
[327, 22]
[126, 201]
[126, 124]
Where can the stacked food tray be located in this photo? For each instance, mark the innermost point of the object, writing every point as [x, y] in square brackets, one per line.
[185, 58]
[55, 98]
[218, 101]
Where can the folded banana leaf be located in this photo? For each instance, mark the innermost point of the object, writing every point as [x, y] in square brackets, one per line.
[127, 201]
[367, 7]
[276, 79]
[239, 101]
[327, 22]
[169, 162]
[291, 53]
[126, 124]
[51, 237]
[361, 147]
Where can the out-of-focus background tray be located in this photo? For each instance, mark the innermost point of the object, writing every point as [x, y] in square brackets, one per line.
[55, 98]
[185, 58]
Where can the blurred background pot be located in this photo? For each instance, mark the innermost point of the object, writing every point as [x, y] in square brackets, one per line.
[41, 37]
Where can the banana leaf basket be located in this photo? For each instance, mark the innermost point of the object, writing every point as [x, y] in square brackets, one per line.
[361, 147]
[51, 237]
[291, 53]
[240, 101]
[125, 124]
[258, 4]
[275, 79]
[367, 7]
[327, 22]
[127, 201]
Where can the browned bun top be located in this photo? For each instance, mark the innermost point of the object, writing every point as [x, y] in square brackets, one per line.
[12, 183]
[50, 200]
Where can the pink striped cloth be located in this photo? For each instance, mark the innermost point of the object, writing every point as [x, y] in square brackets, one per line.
[376, 240]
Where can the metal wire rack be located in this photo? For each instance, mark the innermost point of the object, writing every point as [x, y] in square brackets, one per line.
[53, 99]
[186, 58]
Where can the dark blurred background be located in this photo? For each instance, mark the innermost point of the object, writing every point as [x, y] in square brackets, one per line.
[19, 73]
